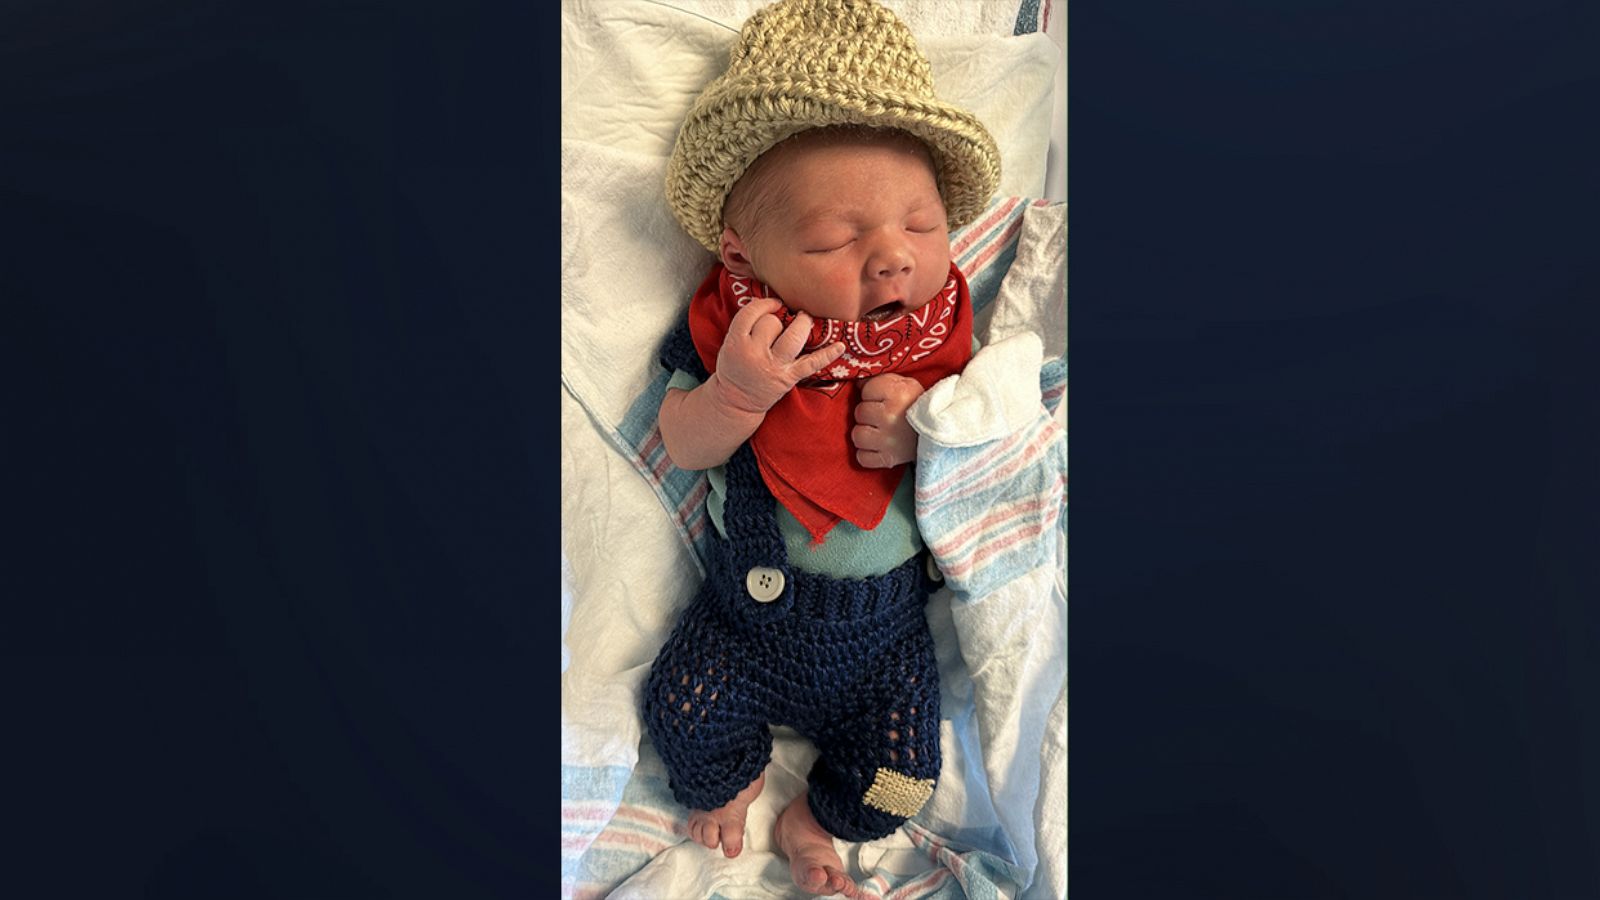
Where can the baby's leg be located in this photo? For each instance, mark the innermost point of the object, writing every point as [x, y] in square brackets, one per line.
[711, 735]
[875, 770]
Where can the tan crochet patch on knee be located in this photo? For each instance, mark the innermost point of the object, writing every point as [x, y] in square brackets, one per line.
[897, 794]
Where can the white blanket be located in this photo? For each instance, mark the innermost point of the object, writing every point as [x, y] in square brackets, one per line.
[630, 543]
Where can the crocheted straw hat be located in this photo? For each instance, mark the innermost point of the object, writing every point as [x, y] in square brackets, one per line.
[800, 64]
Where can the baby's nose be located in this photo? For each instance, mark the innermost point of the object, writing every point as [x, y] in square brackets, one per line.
[889, 261]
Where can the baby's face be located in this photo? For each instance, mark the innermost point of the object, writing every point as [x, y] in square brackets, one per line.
[856, 231]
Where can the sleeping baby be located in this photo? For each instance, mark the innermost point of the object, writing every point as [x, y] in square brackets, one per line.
[825, 176]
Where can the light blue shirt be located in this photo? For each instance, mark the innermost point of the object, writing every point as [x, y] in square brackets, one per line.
[846, 551]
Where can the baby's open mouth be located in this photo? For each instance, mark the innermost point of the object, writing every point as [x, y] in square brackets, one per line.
[884, 311]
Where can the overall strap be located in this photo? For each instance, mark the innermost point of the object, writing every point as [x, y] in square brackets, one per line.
[678, 352]
[749, 569]
[751, 518]
[752, 559]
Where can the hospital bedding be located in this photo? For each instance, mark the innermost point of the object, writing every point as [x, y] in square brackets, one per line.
[633, 530]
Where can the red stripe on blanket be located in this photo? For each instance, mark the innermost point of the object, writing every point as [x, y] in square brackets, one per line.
[631, 840]
[921, 886]
[962, 568]
[998, 519]
[642, 816]
[1013, 453]
[1000, 243]
[599, 813]
[972, 236]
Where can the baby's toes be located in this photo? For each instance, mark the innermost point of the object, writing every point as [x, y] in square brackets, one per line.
[732, 839]
[839, 883]
[814, 879]
[699, 828]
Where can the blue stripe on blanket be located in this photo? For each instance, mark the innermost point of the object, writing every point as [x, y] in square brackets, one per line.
[1053, 383]
[1052, 390]
[593, 782]
[985, 285]
[1027, 17]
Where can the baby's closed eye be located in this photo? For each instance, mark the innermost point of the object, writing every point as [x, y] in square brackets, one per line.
[827, 240]
[832, 249]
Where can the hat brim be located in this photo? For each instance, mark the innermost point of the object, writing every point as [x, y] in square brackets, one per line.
[733, 124]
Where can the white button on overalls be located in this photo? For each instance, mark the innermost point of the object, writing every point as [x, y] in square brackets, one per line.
[765, 585]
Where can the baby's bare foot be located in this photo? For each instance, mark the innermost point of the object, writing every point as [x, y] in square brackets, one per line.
[725, 824]
[813, 864]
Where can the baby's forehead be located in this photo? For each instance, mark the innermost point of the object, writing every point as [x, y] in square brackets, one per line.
[800, 175]
[804, 209]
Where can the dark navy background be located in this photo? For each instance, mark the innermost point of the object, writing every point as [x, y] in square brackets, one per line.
[279, 449]
[279, 576]
[1335, 629]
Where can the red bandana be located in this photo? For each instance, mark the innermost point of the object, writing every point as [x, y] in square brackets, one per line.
[803, 446]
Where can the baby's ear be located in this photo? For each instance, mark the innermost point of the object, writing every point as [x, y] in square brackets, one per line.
[734, 255]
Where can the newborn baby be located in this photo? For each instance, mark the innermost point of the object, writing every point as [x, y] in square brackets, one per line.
[833, 305]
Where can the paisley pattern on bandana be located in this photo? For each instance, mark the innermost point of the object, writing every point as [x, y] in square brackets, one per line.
[875, 347]
[803, 446]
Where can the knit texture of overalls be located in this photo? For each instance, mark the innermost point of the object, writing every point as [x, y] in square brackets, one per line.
[847, 663]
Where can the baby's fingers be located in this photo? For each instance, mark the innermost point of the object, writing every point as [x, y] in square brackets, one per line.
[814, 362]
[744, 321]
[793, 340]
[873, 413]
[890, 386]
[877, 448]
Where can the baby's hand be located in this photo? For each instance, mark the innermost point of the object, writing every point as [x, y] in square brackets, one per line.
[760, 360]
[882, 436]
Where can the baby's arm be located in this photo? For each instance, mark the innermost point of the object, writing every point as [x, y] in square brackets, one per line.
[882, 436]
[758, 363]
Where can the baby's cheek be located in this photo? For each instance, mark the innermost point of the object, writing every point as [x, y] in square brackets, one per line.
[833, 295]
[935, 274]
[841, 279]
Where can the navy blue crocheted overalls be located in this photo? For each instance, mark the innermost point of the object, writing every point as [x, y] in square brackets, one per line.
[848, 663]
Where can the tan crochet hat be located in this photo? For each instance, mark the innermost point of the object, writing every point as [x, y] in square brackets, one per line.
[802, 64]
